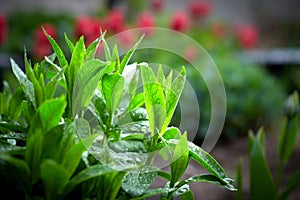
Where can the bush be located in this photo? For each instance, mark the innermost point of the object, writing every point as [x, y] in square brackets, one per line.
[79, 129]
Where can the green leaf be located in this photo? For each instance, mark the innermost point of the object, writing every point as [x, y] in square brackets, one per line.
[87, 81]
[137, 101]
[66, 142]
[128, 55]
[164, 175]
[12, 127]
[13, 135]
[139, 114]
[106, 50]
[99, 109]
[180, 159]
[52, 84]
[92, 49]
[261, 182]
[112, 87]
[77, 57]
[50, 61]
[207, 161]
[132, 86]
[154, 99]
[172, 97]
[9, 149]
[51, 143]
[59, 53]
[160, 75]
[115, 57]
[26, 84]
[187, 196]
[14, 108]
[51, 112]
[291, 185]
[54, 177]
[287, 138]
[73, 156]
[70, 44]
[86, 174]
[172, 133]
[150, 193]
[16, 171]
[180, 191]
[208, 178]
[110, 185]
[33, 154]
[136, 183]
[128, 146]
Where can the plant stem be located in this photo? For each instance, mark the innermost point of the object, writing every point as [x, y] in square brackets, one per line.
[282, 162]
[279, 177]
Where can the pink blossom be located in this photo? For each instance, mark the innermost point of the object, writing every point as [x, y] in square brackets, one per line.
[145, 20]
[157, 5]
[3, 28]
[179, 21]
[247, 36]
[89, 27]
[115, 21]
[199, 9]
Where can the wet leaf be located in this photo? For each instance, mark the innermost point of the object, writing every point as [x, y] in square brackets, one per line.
[87, 81]
[70, 44]
[128, 55]
[207, 161]
[208, 178]
[136, 183]
[26, 84]
[112, 87]
[54, 177]
[154, 99]
[59, 53]
[179, 160]
[172, 97]
[51, 112]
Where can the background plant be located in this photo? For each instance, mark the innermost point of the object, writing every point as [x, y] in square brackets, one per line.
[75, 128]
[262, 184]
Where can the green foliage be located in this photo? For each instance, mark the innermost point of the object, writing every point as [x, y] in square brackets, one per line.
[262, 184]
[77, 128]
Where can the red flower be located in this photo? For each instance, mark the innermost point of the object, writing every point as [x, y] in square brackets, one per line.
[199, 9]
[157, 5]
[247, 36]
[145, 20]
[115, 21]
[179, 21]
[89, 27]
[39, 35]
[42, 46]
[40, 51]
[3, 28]
[125, 38]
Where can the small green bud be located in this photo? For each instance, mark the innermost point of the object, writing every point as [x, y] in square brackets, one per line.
[291, 107]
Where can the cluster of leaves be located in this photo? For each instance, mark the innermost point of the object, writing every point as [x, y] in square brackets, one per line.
[262, 184]
[249, 90]
[52, 148]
